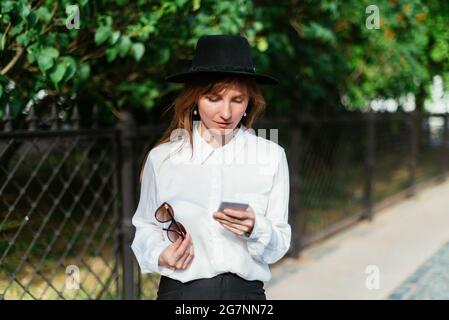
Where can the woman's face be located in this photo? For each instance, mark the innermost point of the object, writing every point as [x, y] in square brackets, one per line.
[222, 112]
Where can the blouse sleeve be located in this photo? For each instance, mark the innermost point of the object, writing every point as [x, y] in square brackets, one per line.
[149, 240]
[270, 238]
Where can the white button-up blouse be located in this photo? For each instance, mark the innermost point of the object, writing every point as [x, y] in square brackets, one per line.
[248, 169]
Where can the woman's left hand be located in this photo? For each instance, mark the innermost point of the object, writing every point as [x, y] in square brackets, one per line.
[238, 221]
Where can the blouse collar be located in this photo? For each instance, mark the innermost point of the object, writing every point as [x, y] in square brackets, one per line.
[203, 150]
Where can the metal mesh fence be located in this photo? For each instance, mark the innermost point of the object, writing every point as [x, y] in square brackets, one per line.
[59, 216]
[67, 196]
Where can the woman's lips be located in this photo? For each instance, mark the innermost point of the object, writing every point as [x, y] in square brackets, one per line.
[223, 124]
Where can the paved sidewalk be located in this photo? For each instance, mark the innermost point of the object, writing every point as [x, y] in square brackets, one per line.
[408, 244]
[430, 281]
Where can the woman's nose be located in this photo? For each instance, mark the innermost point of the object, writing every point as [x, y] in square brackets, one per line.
[226, 112]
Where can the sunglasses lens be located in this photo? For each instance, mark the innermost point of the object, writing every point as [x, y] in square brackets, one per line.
[172, 236]
[173, 231]
[182, 229]
[162, 214]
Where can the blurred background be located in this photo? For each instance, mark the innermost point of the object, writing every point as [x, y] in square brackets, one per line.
[362, 111]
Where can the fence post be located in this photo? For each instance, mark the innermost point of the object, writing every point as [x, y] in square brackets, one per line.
[295, 214]
[127, 129]
[445, 145]
[412, 121]
[369, 165]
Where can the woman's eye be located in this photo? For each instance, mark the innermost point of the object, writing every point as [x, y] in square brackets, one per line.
[215, 99]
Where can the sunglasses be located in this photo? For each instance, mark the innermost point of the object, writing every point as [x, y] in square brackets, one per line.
[175, 230]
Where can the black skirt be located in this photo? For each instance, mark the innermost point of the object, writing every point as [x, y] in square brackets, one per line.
[225, 286]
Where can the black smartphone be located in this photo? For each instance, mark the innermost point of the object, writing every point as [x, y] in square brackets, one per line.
[233, 205]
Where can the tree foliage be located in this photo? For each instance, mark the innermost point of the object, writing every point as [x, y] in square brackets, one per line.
[322, 51]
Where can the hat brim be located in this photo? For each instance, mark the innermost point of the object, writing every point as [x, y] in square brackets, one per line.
[184, 77]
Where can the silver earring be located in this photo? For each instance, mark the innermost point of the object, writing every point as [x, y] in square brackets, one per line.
[195, 112]
[244, 114]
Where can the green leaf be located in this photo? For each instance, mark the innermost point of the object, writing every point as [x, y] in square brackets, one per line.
[111, 54]
[124, 46]
[24, 9]
[262, 44]
[180, 3]
[258, 26]
[24, 39]
[317, 31]
[31, 19]
[31, 58]
[148, 103]
[102, 34]
[43, 13]
[7, 6]
[1, 90]
[5, 18]
[163, 55]
[138, 50]
[84, 71]
[32, 53]
[51, 52]
[71, 67]
[196, 5]
[17, 29]
[440, 51]
[115, 36]
[57, 75]
[46, 58]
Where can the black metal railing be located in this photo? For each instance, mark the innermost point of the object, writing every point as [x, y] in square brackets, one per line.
[345, 167]
[67, 195]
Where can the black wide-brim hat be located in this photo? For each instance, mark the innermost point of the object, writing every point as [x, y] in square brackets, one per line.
[221, 55]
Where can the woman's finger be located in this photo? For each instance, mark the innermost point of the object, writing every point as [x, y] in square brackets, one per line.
[224, 216]
[181, 261]
[177, 243]
[239, 227]
[183, 247]
[236, 231]
[237, 214]
[189, 258]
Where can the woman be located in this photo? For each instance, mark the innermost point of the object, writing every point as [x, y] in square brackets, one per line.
[209, 155]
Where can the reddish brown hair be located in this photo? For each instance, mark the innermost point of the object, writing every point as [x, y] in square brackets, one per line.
[192, 91]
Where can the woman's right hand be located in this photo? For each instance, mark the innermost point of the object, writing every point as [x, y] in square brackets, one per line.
[178, 255]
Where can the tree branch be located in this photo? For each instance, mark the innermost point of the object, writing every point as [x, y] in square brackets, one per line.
[13, 61]
[92, 55]
[52, 14]
[4, 35]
